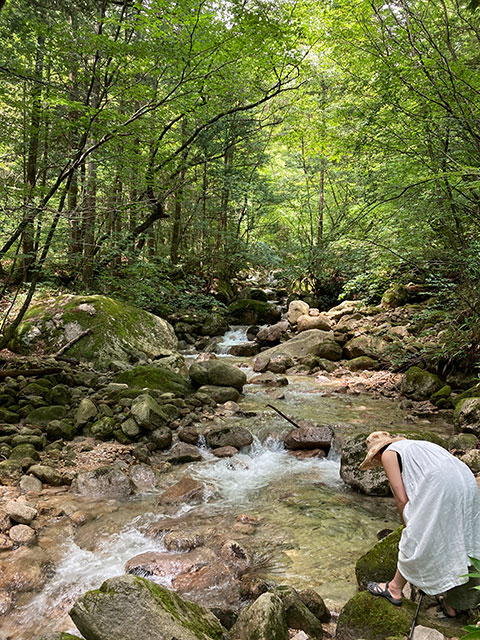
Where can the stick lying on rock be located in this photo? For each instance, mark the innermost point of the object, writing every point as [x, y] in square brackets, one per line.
[283, 415]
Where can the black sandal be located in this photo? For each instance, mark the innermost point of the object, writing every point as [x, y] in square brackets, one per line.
[443, 607]
[376, 590]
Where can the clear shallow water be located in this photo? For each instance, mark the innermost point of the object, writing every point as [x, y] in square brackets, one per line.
[311, 526]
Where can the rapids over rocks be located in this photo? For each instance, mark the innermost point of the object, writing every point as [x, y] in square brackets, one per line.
[309, 526]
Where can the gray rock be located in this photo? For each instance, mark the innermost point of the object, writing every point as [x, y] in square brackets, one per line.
[298, 615]
[303, 344]
[220, 394]
[86, 411]
[30, 484]
[273, 333]
[182, 452]
[229, 436]
[43, 415]
[22, 451]
[305, 322]
[162, 437]
[57, 429]
[131, 607]
[10, 472]
[265, 619]
[130, 428]
[419, 384]
[108, 482]
[20, 512]
[309, 437]
[217, 373]
[467, 416]
[23, 535]
[143, 477]
[147, 412]
[365, 345]
[48, 475]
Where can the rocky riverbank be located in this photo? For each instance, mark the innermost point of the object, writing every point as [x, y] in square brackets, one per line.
[75, 431]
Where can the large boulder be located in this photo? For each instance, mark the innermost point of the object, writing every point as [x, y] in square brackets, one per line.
[132, 607]
[254, 312]
[229, 436]
[396, 296]
[265, 619]
[306, 322]
[147, 413]
[299, 615]
[311, 342]
[380, 562]
[273, 333]
[419, 384]
[118, 332]
[217, 373]
[103, 482]
[309, 436]
[371, 618]
[156, 377]
[467, 415]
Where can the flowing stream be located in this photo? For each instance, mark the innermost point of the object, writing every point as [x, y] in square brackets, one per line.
[311, 527]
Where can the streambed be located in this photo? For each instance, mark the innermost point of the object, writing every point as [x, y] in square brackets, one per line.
[311, 526]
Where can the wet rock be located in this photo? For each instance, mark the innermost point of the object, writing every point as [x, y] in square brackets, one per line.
[131, 607]
[273, 333]
[199, 580]
[362, 363]
[306, 322]
[306, 454]
[182, 452]
[86, 411]
[20, 512]
[186, 490]
[298, 615]
[106, 482]
[189, 434]
[419, 384]
[225, 452]
[296, 308]
[163, 564]
[48, 475]
[147, 412]
[229, 436]
[23, 535]
[426, 633]
[380, 562]
[6, 602]
[280, 363]
[314, 602]
[467, 415]
[309, 437]
[269, 379]
[261, 363]
[30, 484]
[265, 619]
[161, 437]
[217, 373]
[245, 350]
[143, 477]
[220, 394]
[235, 556]
[181, 541]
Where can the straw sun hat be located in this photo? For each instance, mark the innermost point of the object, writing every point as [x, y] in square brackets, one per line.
[376, 441]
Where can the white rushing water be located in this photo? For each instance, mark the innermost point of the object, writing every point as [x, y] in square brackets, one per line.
[238, 480]
[234, 336]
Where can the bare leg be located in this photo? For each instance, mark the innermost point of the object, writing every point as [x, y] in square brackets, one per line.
[395, 586]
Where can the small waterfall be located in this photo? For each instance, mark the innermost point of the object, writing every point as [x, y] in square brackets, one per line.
[235, 335]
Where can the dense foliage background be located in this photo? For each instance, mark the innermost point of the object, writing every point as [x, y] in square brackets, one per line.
[157, 150]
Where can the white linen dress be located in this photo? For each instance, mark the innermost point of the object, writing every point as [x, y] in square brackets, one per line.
[442, 517]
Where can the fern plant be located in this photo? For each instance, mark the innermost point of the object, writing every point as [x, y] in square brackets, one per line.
[473, 630]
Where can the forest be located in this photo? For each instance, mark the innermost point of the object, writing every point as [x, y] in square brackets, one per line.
[184, 146]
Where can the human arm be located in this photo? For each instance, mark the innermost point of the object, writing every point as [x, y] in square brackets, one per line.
[392, 470]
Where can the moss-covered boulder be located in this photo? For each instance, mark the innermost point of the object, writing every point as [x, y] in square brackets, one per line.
[471, 392]
[265, 619]
[254, 312]
[362, 363]
[419, 384]
[119, 333]
[153, 377]
[467, 416]
[372, 618]
[365, 345]
[132, 607]
[217, 373]
[220, 394]
[373, 481]
[10, 472]
[441, 398]
[380, 562]
[396, 296]
[43, 415]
